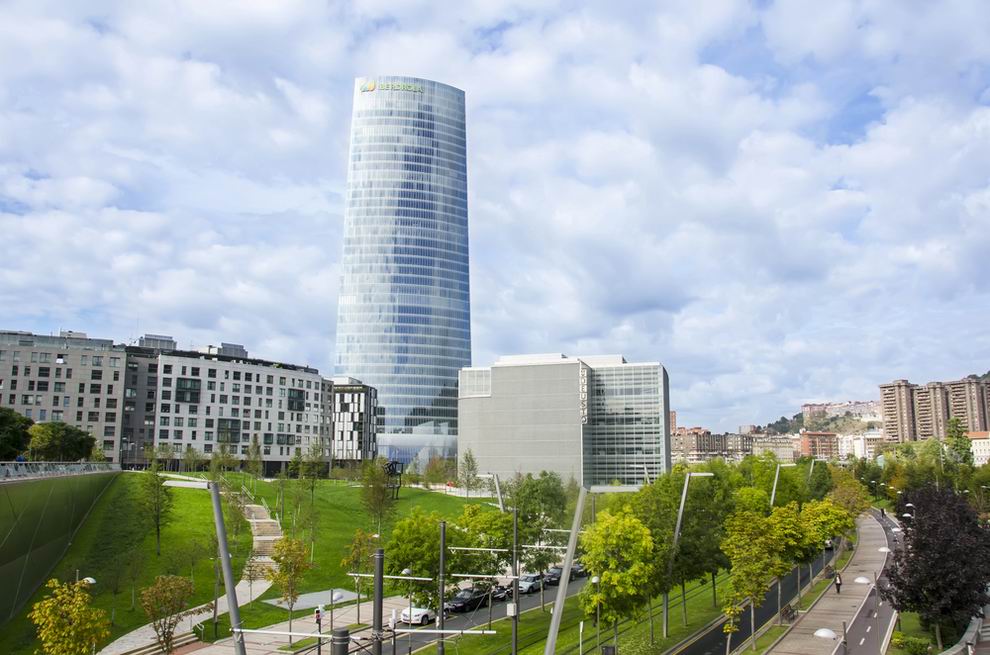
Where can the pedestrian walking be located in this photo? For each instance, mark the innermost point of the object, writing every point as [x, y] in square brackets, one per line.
[838, 583]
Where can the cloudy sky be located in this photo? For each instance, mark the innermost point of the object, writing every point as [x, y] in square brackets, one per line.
[781, 201]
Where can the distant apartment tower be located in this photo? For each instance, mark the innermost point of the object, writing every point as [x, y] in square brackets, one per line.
[697, 445]
[404, 319]
[931, 410]
[820, 445]
[69, 378]
[922, 412]
[595, 419]
[897, 407]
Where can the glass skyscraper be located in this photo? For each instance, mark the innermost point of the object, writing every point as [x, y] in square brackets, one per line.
[404, 316]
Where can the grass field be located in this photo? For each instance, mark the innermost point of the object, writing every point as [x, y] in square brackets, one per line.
[93, 554]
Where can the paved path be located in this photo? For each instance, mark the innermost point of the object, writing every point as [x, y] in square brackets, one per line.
[832, 609]
[265, 531]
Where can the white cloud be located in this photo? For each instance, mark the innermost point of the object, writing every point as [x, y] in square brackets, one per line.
[654, 181]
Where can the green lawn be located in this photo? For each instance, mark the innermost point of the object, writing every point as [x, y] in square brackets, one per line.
[909, 625]
[93, 554]
[763, 641]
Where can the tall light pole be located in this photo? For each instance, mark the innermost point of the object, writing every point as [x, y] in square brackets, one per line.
[595, 580]
[776, 477]
[408, 571]
[876, 605]
[677, 536]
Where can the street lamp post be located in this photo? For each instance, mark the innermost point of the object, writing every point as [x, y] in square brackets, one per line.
[335, 596]
[595, 580]
[776, 477]
[876, 605]
[408, 571]
[677, 535]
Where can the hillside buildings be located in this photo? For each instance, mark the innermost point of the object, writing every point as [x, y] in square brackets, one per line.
[595, 419]
[153, 394]
[864, 410]
[404, 319]
[912, 412]
[819, 445]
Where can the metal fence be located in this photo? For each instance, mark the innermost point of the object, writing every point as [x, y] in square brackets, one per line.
[27, 470]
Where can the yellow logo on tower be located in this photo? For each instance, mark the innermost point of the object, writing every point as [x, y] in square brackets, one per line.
[371, 85]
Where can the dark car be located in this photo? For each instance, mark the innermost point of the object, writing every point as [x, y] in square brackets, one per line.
[467, 600]
[578, 570]
[553, 576]
[501, 592]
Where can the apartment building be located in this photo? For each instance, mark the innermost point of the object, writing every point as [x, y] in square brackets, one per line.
[783, 447]
[355, 418]
[697, 445]
[922, 412]
[70, 378]
[819, 445]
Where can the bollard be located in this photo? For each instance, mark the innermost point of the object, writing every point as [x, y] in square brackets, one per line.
[340, 641]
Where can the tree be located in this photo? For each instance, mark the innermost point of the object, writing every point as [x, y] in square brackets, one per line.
[14, 433]
[253, 463]
[849, 493]
[959, 448]
[468, 472]
[166, 452]
[415, 544]
[751, 499]
[192, 459]
[438, 470]
[66, 623]
[96, 455]
[541, 502]
[166, 602]
[748, 545]
[358, 560]
[291, 563]
[295, 466]
[254, 571]
[312, 467]
[618, 549]
[156, 502]
[791, 541]
[943, 569]
[376, 496]
[59, 442]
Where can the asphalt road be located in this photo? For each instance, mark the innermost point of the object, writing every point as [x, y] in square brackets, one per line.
[864, 633]
[478, 619]
[713, 641]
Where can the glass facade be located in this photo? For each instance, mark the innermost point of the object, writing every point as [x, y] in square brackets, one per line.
[404, 318]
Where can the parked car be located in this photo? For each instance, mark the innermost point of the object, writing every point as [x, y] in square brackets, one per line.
[467, 600]
[828, 544]
[501, 592]
[420, 616]
[578, 570]
[530, 582]
[553, 576]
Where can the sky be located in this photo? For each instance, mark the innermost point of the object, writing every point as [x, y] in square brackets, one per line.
[782, 202]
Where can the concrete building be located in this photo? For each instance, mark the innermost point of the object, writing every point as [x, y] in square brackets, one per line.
[820, 445]
[864, 445]
[404, 314]
[355, 418]
[747, 429]
[673, 421]
[69, 378]
[783, 447]
[594, 419]
[980, 445]
[739, 445]
[697, 445]
[897, 406]
[922, 412]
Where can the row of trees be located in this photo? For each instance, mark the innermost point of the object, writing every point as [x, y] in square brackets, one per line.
[53, 441]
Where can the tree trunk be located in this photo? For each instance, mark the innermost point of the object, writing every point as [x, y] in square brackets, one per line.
[650, 606]
[728, 643]
[938, 636]
[799, 586]
[714, 591]
[752, 622]
[158, 538]
[542, 588]
[359, 605]
[683, 604]
[615, 630]
[290, 624]
[133, 596]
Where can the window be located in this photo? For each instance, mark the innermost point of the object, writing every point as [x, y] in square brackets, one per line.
[153, 368]
[57, 415]
[152, 381]
[45, 358]
[166, 394]
[110, 417]
[108, 431]
[111, 403]
[109, 389]
[29, 413]
[191, 422]
[60, 387]
[163, 434]
[44, 372]
[179, 422]
[115, 362]
[163, 420]
[167, 369]
[166, 382]
[80, 401]
[59, 358]
[94, 388]
[95, 375]
[93, 417]
[68, 374]
[211, 373]
[194, 371]
[177, 433]
[58, 373]
[34, 358]
[116, 376]
[42, 414]
[208, 448]
[194, 409]
[78, 417]
[27, 371]
[97, 360]
[208, 436]
[82, 387]
[42, 385]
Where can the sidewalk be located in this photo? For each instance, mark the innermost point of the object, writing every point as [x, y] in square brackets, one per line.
[832, 609]
[256, 644]
[264, 531]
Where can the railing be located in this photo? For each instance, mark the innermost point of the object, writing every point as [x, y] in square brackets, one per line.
[10, 471]
[971, 636]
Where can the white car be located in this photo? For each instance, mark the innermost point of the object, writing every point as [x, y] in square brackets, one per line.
[420, 616]
[530, 582]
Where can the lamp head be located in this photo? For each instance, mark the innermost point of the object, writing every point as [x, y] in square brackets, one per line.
[595, 579]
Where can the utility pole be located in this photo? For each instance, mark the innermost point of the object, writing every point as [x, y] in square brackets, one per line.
[440, 610]
[228, 571]
[376, 615]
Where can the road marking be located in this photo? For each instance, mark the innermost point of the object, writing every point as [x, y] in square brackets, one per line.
[862, 640]
[868, 628]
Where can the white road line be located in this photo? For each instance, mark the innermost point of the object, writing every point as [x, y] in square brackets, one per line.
[868, 628]
[862, 640]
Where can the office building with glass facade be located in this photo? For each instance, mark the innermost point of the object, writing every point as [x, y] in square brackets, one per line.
[403, 319]
[594, 419]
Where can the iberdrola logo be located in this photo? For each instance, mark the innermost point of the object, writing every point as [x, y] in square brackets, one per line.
[368, 86]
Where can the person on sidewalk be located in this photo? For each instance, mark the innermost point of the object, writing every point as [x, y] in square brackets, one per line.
[838, 583]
